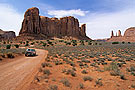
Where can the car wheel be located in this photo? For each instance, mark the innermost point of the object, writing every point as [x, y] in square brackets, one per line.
[26, 55]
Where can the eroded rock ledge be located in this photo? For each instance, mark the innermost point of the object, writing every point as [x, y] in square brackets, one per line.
[41, 27]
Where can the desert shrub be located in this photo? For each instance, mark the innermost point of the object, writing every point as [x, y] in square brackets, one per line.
[74, 44]
[32, 43]
[73, 74]
[49, 42]
[81, 86]
[65, 82]
[46, 65]
[53, 79]
[43, 65]
[74, 68]
[129, 42]
[87, 78]
[8, 46]
[81, 64]
[123, 42]
[0, 59]
[47, 71]
[133, 73]
[21, 42]
[53, 87]
[122, 77]
[37, 79]
[115, 72]
[99, 82]
[82, 42]
[61, 40]
[84, 72]
[10, 55]
[131, 69]
[64, 70]
[133, 86]
[89, 43]
[4, 42]
[72, 63]
[26, 44]
[93, 64]
[86, 61]
[104, 63]
[58, 63]
[44, 44]
[115, 42]
[16, 45]
[112, 66]
[27, 41]
[74, 41]
[68, 43]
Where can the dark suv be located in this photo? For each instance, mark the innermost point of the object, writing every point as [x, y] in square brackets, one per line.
[30, 52]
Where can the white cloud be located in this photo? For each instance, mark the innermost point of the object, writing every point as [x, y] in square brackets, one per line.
[100, 25]
[10, 19]
[61, 13]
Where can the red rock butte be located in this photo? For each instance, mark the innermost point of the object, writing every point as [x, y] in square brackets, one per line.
[7, 35]
[129, 36]
[41, 27]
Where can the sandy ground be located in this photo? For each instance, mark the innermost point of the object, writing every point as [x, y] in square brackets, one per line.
[18, 73]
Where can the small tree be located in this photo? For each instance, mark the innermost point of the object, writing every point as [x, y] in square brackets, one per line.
[16, 45]
[8, 46]
[44, 44]
[115, 42]
[123, 42]
[129, 42]
[26, 44]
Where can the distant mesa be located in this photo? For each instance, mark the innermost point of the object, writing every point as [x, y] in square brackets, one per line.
[41, 27]
[7, 35]
[129, 36]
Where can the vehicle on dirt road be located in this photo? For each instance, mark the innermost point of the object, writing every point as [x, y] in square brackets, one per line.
[30, 52]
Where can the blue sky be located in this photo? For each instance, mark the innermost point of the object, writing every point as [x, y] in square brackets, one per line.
[101, 16]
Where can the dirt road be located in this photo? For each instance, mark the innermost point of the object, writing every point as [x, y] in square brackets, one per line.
[19, 73]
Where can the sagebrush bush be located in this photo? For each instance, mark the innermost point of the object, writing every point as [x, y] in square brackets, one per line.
[65, 82]
[87, 78]
[10, 55]
[81, 86]
[84, 72]
[47, 71]
[53, 87]
[99, 82]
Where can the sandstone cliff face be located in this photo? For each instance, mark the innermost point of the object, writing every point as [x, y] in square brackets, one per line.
[129, 36]
[33, 24]
[4, 35]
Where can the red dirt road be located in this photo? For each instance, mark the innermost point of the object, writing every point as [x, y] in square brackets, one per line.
[19, 73]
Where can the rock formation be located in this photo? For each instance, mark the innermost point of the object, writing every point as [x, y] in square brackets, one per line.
[42, 27]
[119, 33]
[112, 34]
[4, 35]
[129, 36]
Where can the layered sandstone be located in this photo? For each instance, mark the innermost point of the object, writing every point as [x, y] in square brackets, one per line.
[44, 27]
[129, 36]
[6, 35]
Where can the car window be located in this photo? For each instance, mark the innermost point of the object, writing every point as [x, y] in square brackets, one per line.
[28, 50]
[32, 49]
